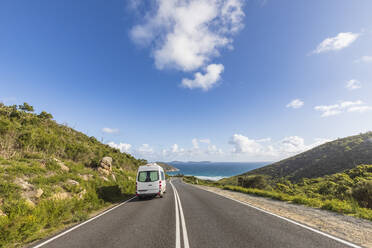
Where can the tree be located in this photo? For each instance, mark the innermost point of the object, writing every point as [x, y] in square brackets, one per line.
[26, 107]
[45, 115]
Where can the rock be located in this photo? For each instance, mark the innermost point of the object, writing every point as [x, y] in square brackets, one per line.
[23, 184]
[72, 182]
[62, 165]
[105, 178]
[61, 196]
[106, 163]
[2, 213]
[82, 193]
[86, 177]
[103, 171]
[38, 193]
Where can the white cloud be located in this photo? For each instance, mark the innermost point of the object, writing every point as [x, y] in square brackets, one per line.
[341, 41]
[292, 144]
[186, 34]
[195, 143]
[364, 59]
[353, 84]
[205, 81]
[296, 103]
[264, 140]
[110, 130]
[145, 149]
[360, 109]
[243, 144]
[123, 147]
[346, 106]
[288, 146]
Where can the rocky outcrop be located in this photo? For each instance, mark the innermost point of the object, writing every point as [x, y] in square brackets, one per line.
[29, 192]
[86, 177]
[72, 182]
[62, 165]
[105, 166]
[61, 196]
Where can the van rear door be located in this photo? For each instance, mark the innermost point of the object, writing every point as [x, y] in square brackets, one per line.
[148, 181]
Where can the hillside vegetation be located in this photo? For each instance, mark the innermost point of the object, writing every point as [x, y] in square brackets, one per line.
[167, 167]
[336, 176]
[348, 192]
[52, 176]
[332, 157]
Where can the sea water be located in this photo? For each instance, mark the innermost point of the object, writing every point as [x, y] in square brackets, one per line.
[214, 170]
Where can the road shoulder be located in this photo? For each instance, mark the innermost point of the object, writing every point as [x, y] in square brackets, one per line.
[352, 229]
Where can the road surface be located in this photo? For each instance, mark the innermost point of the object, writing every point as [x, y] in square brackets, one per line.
[203, 219]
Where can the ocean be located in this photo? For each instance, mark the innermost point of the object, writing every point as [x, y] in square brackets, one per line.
[213, 170]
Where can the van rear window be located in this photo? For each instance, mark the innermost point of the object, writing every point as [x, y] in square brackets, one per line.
[148, 176]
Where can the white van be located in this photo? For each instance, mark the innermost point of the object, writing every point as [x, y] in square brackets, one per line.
[150, 181]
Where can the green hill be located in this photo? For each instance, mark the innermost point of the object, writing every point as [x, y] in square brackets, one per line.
[52, 176]
[167, 167]
[329, 158]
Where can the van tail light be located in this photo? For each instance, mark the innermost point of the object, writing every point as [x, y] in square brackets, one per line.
[159, 184]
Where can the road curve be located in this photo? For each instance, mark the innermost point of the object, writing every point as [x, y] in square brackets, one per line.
[203, 219]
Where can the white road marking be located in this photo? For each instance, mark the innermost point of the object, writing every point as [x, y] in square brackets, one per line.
[289, 220]
[178, 240]
[180, 212]
[77, 226]
[184, 230]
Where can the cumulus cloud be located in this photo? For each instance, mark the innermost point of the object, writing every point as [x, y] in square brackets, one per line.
[353, 84]
[204, 81]
[186, 34]
[296, 103]
[341, 41]
[145, 149]
[110, 130]
[243, 144]
[288, 146]
[360, 109]
[195, 143]
[123, 147]
[346, 106]
[364, 59]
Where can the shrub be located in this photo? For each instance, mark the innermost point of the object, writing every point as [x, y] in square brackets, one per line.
[26, 107]
[45, 115]
[362, 193]
[257, 182]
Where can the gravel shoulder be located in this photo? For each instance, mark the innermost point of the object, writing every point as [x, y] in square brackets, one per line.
[352, 229]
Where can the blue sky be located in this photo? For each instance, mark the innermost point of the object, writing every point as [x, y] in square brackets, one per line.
[274, 78]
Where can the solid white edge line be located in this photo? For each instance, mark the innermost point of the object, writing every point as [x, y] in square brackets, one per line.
[184, 230]
[289, 220]
[178, 240]
[79, 225]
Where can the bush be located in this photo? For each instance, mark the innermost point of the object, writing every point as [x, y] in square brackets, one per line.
[26, 107]
[256, 182]
[362, 193]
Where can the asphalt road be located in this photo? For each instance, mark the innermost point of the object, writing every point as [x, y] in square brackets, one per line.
[203, 219]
